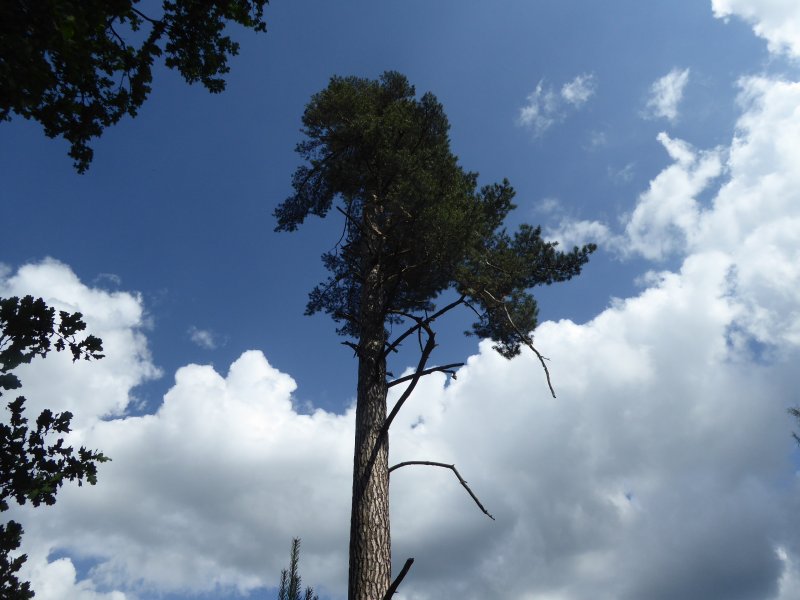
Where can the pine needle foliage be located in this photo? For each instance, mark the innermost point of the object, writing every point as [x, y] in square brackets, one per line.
[409, 206]
[290, 578]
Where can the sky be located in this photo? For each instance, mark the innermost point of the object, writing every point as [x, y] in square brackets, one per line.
[668, 132]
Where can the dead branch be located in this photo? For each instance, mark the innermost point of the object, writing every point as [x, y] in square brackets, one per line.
[420, 322]
[444, 369]
[473, 309]
[526, 339]
[349, 219]
[384, 432]
[455, 471]
[396, 583]
[418, 373]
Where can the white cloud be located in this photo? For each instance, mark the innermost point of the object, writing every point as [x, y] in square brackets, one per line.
[58, 580]
[578, 91]
[666, 217]
[547, 206]
[90, 390]
[754, 217]
[790, 580]
[209, 491]
[571, 233]
[540, 111]
[97, 388]
[777, 21]
[203, 338]
[668, 212]
[545, 107]
[205, 493]
[666, 94]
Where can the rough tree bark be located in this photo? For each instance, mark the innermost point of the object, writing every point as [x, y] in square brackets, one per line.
[370, 538]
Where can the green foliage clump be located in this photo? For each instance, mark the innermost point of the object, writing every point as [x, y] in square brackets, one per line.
[34, 462]
[78, 67]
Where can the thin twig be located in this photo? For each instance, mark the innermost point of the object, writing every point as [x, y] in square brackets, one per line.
[349, 219]
[355, 348]
[526, 339]
[396, 583]
[455, 471]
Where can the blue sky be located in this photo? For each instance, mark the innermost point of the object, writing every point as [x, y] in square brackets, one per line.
[665, 131]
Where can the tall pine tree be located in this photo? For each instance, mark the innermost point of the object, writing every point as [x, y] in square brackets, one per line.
[416, 226]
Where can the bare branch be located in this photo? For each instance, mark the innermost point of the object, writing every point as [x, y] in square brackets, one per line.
[349, 219]
[116, 35]
[455, 471]
[384, 432]
[145, 17]
[444, 368]
[544, 366]
[396, 583]
[418, 373]
[473, 309]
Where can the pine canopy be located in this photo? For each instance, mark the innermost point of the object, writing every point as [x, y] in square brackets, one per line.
[409, 207]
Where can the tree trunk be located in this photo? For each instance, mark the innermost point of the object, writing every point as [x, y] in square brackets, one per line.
[370, 543]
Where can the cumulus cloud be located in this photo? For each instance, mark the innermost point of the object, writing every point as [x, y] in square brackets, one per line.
[754, 216]
[755, 208]
[636, 471]
[777, 21]
[666, 94]
[206, 493]
[545, 106]
[667, 214]
[96, 389]
[58, 580]
[92, 391]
